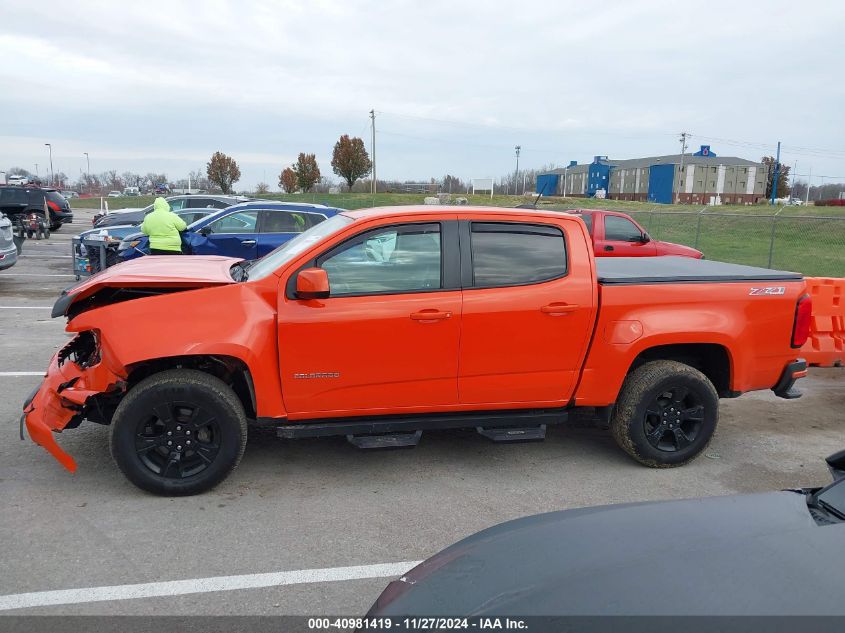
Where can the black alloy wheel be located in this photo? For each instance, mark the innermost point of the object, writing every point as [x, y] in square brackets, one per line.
[178, 432]
[673, 419]
[179, 440]
[666, 413]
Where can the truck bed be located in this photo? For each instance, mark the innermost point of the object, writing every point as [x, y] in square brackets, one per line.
[620, 271]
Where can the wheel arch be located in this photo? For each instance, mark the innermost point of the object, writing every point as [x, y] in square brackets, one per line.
[230, 369]
[711, 359]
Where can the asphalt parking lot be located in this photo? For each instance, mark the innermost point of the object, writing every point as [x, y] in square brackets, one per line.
[294, 506]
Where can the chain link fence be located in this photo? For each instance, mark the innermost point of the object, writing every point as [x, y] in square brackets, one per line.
[811, 244]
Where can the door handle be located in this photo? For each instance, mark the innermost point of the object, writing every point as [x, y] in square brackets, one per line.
[608, 248]
[247, 242]
[559, 308]
[430, 315]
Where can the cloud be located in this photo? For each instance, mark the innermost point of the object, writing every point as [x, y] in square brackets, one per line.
[265, 80]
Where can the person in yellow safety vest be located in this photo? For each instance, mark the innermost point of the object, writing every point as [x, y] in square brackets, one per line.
[163, 227]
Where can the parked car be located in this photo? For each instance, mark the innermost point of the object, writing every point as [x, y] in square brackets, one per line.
[8, 245]
[68, 195]
[18, 180]
[767, 554]
[246, 231]
[116, 235]
[378, 324]
[114, 194]
[177, 203]
[616, 234]
[18, 202]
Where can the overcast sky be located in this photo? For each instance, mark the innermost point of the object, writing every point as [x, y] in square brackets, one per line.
[159, 86]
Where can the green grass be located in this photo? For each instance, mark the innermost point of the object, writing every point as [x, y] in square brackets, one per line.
[124, 202]
[805, 241]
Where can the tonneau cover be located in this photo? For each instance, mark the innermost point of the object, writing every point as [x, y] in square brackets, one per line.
[666, 270]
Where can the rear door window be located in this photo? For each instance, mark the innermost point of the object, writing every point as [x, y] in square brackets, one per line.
[280, 221]
[505, 254]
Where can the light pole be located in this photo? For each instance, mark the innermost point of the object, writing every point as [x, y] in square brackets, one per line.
[516, 173]
[52, 179]
[4, 176]
[87, 170]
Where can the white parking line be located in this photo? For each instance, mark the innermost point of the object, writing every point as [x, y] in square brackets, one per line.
[35, 275]
[21, 373]
[40, 256]
[24, 307]
[201, 585]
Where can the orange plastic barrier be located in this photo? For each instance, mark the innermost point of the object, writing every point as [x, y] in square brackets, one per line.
[826, 345]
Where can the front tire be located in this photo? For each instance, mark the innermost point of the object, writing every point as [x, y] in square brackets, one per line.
[179, 432]
[666, 414]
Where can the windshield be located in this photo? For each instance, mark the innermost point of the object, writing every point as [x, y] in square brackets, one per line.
[833, 498]
[273, 260]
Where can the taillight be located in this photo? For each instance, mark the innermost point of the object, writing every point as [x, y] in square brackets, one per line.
[53, 206]
[801, 325]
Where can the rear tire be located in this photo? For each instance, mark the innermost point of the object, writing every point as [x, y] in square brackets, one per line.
[666, 414]
[179, 432]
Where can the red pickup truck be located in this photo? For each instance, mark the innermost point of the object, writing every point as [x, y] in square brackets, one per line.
[379, 324]
[616, 234]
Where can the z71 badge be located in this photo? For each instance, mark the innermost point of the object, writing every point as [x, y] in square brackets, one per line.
[768, 290]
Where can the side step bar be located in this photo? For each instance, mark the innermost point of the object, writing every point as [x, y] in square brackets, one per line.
[514, 434]
[386, 440]
[524, 422]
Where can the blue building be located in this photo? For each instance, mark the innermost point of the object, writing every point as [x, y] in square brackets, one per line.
[702, 177]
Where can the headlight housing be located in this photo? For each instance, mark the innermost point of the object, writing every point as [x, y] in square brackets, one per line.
[125, 245]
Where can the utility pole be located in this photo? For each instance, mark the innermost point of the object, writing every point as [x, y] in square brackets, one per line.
[516, 173]
[777, 175]
[809, 180]
[52, 178]
[683, 155]
[794, 176]
[36, 170]
[374, 184]
[87, 170]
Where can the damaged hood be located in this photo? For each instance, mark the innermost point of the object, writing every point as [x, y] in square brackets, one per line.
[152, 272]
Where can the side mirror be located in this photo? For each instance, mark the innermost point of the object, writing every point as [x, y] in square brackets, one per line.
[645, 238]
[205, 231]
[312, 283]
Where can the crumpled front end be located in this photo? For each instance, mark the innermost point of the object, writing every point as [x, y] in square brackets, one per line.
[76, 373]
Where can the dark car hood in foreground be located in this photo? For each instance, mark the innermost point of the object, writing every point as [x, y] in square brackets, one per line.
[743, 555]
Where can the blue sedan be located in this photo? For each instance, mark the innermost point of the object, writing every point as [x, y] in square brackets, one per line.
[246, 231]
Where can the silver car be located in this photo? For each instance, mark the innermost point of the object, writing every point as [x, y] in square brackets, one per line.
[8, 248]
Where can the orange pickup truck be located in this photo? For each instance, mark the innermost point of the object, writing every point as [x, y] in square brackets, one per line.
[380, 324]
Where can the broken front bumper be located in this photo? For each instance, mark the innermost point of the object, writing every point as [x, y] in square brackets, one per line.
[60, 399]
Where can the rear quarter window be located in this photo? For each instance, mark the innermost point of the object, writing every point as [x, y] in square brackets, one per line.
[54, 196]
[516, 254]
